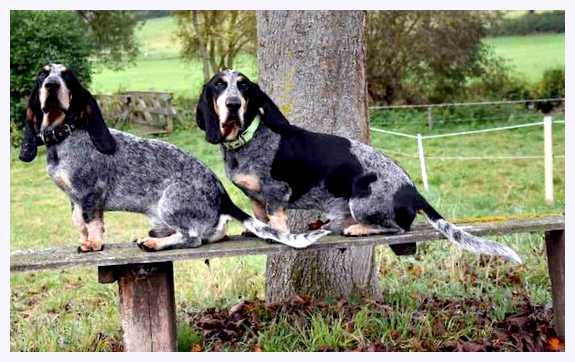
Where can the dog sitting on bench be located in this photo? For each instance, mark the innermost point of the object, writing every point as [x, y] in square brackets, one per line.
[280, 166]
[103, 169]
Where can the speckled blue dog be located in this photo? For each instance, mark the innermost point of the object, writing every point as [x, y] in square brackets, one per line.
[103, 169]
[280, 166]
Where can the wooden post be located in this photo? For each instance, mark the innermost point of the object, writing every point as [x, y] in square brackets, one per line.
[548, 137]
[147, 305]
[422, 162]
[555, 245]
[429, 118]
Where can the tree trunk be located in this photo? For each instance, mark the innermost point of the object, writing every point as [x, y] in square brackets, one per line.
[202, 46]
[313, 65]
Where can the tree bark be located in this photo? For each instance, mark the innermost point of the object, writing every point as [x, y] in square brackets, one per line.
[313, 65]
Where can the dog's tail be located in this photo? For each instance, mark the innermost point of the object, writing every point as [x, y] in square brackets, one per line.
[264, 231]
[463, 239]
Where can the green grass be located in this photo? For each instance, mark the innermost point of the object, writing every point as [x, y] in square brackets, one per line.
[176, 75]
[531, 55]
[157, 38]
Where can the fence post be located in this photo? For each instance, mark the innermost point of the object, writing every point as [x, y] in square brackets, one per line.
[422, 161]
[429, 118]
[548, 147]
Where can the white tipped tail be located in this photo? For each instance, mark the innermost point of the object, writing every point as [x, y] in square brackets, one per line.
[298, 241]
[473, 243]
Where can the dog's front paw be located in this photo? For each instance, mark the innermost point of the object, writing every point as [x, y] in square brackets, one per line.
[84, 249]
[148, 244]
[89, 246]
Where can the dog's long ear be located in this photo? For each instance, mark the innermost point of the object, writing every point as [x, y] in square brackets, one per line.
[270, 113]
[29, 147]
[96, 127]
[89, 113]
[206, 117]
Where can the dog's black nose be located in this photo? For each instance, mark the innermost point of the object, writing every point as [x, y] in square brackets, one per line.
[233, 103]
[52, 84]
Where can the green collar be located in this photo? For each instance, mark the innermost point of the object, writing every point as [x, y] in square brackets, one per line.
[243, 138]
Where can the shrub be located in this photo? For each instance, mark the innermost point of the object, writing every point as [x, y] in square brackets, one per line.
[186, 108]
[38, 38]
[552, 85]
[498, 83]
[424, 56]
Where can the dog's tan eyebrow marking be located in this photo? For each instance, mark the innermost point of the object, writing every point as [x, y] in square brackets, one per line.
[46, 67]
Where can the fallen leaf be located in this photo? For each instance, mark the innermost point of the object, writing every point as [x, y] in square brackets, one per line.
[196, 348]
[439, 327]
[554, 344]
[394, 334]
[469, 347]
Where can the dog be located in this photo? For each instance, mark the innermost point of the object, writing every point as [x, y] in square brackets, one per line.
[280, 166]
[103, 169]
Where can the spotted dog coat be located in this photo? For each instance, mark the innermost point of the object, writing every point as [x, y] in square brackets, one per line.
[360, 190]
[103, 169]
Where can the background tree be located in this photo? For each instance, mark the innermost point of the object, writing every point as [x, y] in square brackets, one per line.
[216, 37]
[312, 64]
[38, 38]
[112, 35]
[74, 38]
[425, 56]
[530, 23]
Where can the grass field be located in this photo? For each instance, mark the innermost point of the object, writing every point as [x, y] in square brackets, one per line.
[531, 55]
[432, 300]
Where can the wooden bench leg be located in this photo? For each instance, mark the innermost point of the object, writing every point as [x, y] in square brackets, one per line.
[147, 305]
[555, 245]
[404, 249]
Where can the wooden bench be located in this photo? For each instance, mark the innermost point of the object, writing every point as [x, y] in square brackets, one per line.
[146, 284]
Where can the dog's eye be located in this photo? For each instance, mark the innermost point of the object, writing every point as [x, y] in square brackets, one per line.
[243, 85]
[220, 84]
